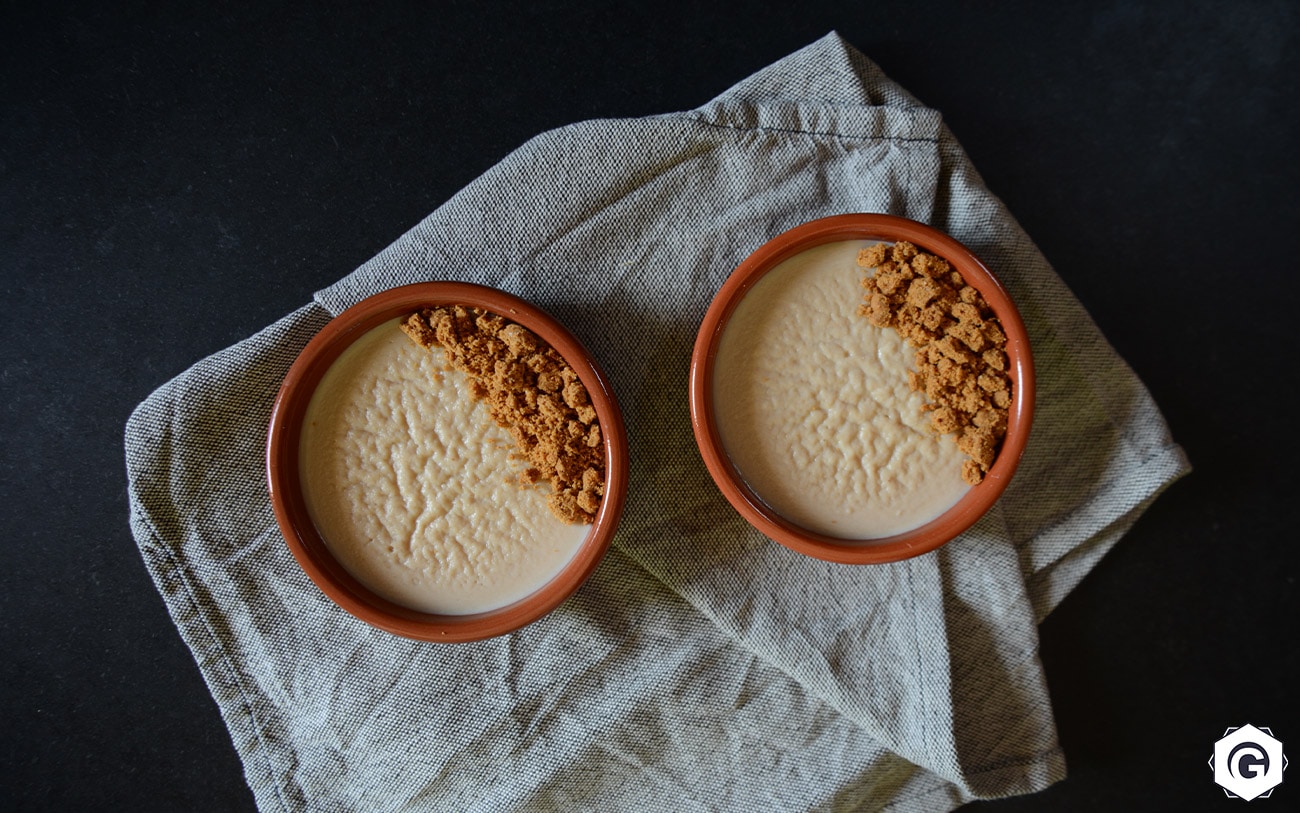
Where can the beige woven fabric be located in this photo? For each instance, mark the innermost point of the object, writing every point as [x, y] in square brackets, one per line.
[703, 667]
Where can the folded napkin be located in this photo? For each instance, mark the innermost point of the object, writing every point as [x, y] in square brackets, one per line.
[702, 667]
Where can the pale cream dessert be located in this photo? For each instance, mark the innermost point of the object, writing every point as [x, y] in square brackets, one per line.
[415, 488]
[813, 406]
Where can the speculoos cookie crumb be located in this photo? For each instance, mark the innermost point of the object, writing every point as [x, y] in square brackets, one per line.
[961, 361]
[533, 393]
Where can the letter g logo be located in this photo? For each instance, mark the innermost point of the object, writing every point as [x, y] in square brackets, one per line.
[1248, 762]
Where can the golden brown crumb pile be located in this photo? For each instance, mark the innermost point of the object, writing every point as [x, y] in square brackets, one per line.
[961, 355]
[532, 392]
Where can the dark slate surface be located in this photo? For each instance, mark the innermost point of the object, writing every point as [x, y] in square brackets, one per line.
[174, 177]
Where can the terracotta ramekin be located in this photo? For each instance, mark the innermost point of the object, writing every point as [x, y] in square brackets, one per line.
[976, 501]
[286, 489]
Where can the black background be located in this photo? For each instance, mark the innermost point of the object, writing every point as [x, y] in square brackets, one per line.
[174, 177]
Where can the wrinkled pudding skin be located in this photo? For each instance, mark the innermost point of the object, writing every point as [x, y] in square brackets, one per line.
[814, 409]
[415, 488]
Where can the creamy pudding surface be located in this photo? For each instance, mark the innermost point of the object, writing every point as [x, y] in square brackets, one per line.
[414, 488]
[814, 410]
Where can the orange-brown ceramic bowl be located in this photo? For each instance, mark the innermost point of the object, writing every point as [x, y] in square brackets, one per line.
[286, 489]
[977, 500]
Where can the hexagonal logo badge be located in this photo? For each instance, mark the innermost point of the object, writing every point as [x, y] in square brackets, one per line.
[1248, 762]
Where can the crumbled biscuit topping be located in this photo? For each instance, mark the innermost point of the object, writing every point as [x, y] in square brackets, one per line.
[961, 360]
[531, 391]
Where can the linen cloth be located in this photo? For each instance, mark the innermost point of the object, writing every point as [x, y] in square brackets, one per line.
[703, 666]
